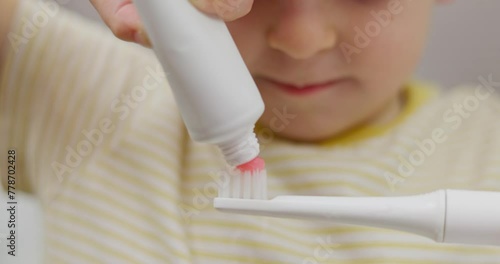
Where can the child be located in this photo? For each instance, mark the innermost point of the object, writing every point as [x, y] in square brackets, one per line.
[98, 137]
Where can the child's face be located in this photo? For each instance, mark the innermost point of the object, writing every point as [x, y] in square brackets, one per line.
[366, 58]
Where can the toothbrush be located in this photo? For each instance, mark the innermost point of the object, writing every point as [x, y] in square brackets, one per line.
[246, 181]
[447, 216]
[216, 95]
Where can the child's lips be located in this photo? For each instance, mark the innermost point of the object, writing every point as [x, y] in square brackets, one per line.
[307, 89]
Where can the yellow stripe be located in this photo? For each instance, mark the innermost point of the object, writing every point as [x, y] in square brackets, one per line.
[342, 247]
[17, 100]
[75, 87]
[201, 163]
[6, 70]
[228, 256]
[491, 176]
[55, 245]
[69, 127]
[144, 169]
[432, 247]
[269, 245]
[116, 236]
[49, 113]
[350, 230]
[353, 260]
[296, 225]
[134, 196]
[82, 238]
[141, 184]
[17, 126]
[282, 156]
[31, 88]
[210, 224]
[394, 261]
[6, 77]
[170, 146]
[161, 128]
[150, 128]
[152, 155]
[52, 258]
[256, 259]
[264, 246]
[309, 169]
[140, 199]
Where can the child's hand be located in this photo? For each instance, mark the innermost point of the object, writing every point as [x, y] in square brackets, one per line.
[123, 20]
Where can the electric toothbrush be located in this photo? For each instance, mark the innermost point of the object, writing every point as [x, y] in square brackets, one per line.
[448, 216]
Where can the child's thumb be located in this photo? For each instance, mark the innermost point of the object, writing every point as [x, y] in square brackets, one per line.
[228, 10]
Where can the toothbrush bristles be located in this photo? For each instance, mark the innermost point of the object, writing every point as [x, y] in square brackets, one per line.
[247, 183]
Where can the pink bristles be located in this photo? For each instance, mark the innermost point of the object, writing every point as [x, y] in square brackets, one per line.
[256, 164]
[246, 181]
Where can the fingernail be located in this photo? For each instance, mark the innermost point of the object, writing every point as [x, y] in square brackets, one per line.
[142, 38]
[229, 9]
[202, 5]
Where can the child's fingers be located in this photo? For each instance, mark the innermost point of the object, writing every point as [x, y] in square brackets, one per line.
[122, 18]
[226, 9]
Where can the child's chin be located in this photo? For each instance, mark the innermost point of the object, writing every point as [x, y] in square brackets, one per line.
[310, 134]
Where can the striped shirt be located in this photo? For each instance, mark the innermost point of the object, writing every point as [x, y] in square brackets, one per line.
[100, 141]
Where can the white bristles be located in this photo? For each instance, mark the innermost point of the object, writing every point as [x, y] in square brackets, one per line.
[244, 185]
[235, 190]
[260, 185]
[224, 187]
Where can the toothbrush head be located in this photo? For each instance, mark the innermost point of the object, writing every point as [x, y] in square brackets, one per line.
[246, 181]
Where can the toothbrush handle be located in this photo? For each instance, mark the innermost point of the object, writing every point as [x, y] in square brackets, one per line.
[449, 216]
[472, 217]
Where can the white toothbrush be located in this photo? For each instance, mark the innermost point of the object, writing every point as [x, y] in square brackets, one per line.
[448, 216]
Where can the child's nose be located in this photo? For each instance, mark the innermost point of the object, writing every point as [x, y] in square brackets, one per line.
[302, 31]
